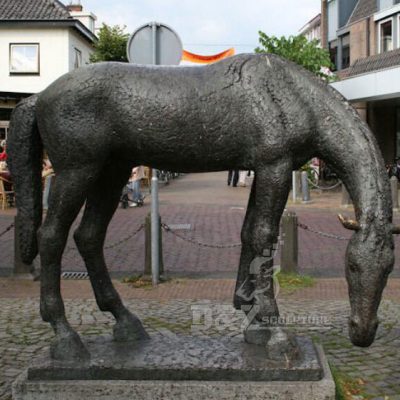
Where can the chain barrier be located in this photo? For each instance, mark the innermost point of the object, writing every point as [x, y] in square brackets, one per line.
[324, 188]
[194, 241]
[197, 242]
[119, 242]
[8, 229]
[323, 234]
[133, 234]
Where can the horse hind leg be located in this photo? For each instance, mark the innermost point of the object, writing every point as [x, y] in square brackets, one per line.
[101, 204]
[66, 199]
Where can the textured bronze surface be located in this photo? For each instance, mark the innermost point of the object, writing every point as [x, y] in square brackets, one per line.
[255, 112]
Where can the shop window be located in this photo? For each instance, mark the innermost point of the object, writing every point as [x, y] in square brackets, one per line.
[386, 36]
[24, 58]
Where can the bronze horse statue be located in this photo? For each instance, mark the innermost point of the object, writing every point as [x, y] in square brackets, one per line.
[249, 112]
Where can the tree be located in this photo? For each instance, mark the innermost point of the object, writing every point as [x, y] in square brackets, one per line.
[111, 45]
[299, 50]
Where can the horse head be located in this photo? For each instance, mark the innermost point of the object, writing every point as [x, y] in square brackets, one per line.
[369, 260]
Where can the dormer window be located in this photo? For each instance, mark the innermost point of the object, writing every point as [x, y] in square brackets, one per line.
[386, 35]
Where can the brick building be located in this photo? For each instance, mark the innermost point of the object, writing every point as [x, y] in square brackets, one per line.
[363, 37]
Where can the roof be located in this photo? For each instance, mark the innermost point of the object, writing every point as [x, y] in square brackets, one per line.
[378, 62]
[33, 10]
[35, 13]
[363, 9]
[312, 23]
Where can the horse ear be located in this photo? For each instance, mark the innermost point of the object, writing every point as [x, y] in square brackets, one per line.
[396, 229]
[349, 223]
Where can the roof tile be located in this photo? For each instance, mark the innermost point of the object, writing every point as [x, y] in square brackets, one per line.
[33, 10]
[378, 62]
[363, 9]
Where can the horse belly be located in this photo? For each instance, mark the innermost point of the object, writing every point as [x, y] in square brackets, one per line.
[187, 137]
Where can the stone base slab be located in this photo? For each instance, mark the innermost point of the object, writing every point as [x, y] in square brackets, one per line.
[212, 369]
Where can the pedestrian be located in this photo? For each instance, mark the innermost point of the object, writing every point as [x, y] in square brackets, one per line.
[396, 168]
[3, 154]
[233, 177]
[47, 176]
[134, 186]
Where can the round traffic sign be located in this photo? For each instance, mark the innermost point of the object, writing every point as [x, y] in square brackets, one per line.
[155, 43]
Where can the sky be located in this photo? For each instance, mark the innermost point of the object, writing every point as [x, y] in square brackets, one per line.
[210, 26]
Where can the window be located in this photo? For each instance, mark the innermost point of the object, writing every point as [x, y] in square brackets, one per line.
[78, 58]
[386, 36]
[345, 57]
[24, 58]
[3, 130]
[333, 55]
[344, 51]
[398, 131]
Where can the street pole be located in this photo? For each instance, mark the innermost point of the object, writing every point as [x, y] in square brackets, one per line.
[155, 237]
[294, 188]
[154, 43]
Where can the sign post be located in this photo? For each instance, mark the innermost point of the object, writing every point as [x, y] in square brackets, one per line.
[155, 44]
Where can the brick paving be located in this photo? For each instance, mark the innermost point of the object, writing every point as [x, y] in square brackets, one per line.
[212, 289]
[24, 337]
[215, 213]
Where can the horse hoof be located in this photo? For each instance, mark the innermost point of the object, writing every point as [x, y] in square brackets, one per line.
[129, 329]
[69, 347]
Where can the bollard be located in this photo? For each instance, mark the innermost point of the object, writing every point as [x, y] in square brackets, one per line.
[155, 230]
[394, 184]
[305, 189]
[289, 248]
[346, 200]
[147, 246]
[20, 268]
[296, 182]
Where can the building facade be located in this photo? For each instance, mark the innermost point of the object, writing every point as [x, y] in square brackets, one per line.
[312, 29]
[363, 37]
[40, 40]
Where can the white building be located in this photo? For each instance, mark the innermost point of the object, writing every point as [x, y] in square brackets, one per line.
[40, 40]
[312, 29]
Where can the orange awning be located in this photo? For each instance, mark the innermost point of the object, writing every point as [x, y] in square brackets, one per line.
[196, 58]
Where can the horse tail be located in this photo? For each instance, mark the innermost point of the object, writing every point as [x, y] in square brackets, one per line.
[25, 151]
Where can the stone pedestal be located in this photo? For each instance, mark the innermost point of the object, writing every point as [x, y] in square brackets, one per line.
[180, 367]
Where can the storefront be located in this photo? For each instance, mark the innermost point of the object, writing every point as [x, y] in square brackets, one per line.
[373, 86]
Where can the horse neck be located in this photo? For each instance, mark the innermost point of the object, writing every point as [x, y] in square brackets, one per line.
[346, 143]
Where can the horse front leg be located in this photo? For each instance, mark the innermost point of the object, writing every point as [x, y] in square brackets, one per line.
[260, 236]
[244, 284]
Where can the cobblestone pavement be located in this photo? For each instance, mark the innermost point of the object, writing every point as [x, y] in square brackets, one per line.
[24, 337]
[215, 214]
